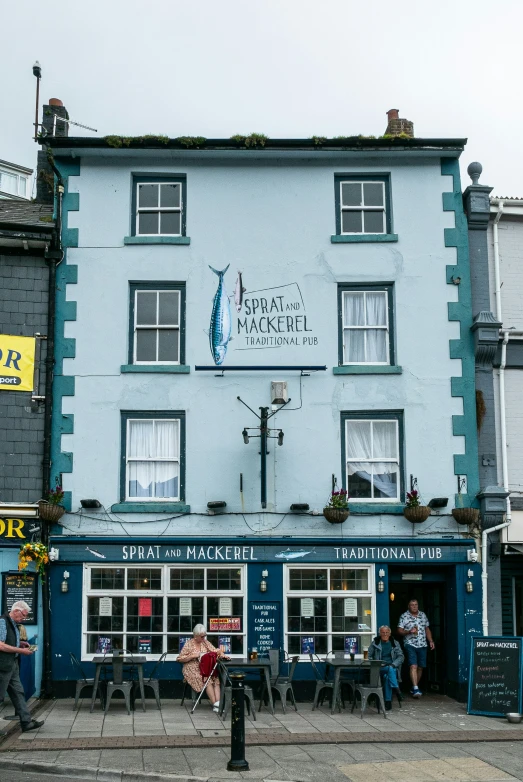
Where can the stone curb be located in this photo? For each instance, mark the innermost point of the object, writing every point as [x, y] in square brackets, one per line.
[93, 773]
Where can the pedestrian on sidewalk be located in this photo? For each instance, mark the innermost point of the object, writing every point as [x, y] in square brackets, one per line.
[191, 654]
[413, 625]
[388, 650]
[11, 647]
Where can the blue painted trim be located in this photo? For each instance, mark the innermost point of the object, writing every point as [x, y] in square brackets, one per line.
[150, 507]
[348, 369]
[65, 347]
[462, 348]
[173, 369]
[466, 543]
[358, 238]
[157, 240]
[372, 508]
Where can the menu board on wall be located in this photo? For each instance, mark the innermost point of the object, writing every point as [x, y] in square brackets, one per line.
[495, 676]
[20, 586]
[307, 607]
[105, 607]
[265, 626]
[186, 606]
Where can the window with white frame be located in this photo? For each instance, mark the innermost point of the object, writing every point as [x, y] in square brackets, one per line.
[152, 609]
[329, 609]
[13, 184]
[366, 337]
[372, 455]
[152, 453]
[362, 205]
[156, 320]
[159, 206]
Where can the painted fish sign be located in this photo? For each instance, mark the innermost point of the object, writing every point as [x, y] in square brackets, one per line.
[220, 327]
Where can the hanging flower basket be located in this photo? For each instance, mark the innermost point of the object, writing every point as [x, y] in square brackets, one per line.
[34, 552]
[466, 515]
[50, 512]
[336, 515]
[417, 513]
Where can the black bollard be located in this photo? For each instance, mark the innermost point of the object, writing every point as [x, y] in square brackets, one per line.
[237, 761]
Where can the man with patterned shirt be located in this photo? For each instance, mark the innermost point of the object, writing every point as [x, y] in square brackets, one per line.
[413, 625]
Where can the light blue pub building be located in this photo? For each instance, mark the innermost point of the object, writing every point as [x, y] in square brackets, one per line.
[242, 325]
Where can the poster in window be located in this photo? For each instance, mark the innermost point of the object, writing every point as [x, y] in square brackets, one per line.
[182, 640]
[307, 645]
[104, 645]
[186, 606]
[105, 606]
[225, 644]
[307, 607]
[225, 606]
[145, 606]
[236, 623]
[144, 645]
[351, 644]
[351, 606]
[214, 625]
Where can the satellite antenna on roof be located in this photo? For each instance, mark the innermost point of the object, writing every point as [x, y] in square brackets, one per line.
[37, 71]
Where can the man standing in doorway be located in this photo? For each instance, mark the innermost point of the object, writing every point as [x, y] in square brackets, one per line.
[413, 625]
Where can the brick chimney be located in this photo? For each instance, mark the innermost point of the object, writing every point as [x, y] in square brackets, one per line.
[51, 126]
[396, 125]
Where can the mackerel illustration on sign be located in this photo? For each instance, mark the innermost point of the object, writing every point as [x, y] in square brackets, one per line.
[220, 328]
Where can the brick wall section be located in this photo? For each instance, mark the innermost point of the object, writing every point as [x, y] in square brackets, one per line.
[23, 311]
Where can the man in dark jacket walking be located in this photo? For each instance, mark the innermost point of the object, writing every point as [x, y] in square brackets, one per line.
[388, 650]
[10, 648]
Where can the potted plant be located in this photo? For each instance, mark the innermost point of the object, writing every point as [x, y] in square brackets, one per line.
[337, 509]
[465, 515]
[50, 508]
[34, 552]
[414, 511]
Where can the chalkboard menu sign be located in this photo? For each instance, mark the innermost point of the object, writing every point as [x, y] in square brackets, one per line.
[20, 586]
[265, 619]
[495, 676]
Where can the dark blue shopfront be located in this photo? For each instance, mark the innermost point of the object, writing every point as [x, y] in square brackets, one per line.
[292, 594]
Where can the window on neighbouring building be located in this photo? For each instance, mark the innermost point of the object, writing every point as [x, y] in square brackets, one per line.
[362, 204]
[372, 453]
[159, 206]
[156, 320]
[329, 608]
[151, 610]
[13, 184]
[153, 450]
[366, 324]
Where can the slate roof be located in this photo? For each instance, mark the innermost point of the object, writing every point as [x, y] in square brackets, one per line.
[25, 212]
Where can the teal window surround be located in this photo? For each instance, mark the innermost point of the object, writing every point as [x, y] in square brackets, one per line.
[157, 240]
[172, 369]
[156, 178]
[160, 285]
[367, 369]
[359, 238]
[388, 235]
[371, 506]
[361, 369]
[150, 505]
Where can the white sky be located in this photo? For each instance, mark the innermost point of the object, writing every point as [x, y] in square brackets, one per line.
[286, 68]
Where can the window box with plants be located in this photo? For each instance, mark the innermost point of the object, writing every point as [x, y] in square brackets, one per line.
[337, 509]
[50, 509]
[414, 511]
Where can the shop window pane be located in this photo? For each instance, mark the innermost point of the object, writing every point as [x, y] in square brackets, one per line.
[175, 643]
[98, 616]
[144, 578]
[310, 623]
[185, 623]
[320, 644]
[145, 613]
[186, 578]
[224, 578]
[235, 641]
[349, 579]
[225, 623]
[145, 644]
[307, 579]
[103, 643]
[351, 614]
[356, 643]
[107, 578]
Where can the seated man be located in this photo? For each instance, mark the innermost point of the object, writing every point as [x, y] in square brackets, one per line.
[388, 650]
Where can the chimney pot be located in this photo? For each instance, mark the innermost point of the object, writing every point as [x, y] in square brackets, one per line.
[55, 102]
[393, 114]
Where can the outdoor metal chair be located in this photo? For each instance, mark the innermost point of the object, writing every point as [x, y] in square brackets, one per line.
[350, 677]
[118, 684]
[322, 682]
[83, 681]
[153, 683]
[283, 684]
[374, 687]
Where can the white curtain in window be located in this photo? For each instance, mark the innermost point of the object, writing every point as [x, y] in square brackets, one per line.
[354, 309]
[141, 479]
[384, 444]
[376, 309]
[385, 480]
[141, 443]
[167, 480]
[376, 346]
[358, 442]
[354, 346]
[383, 476]
[166, 439]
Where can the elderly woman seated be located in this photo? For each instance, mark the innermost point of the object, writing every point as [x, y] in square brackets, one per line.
[387, 649]
[191, 654]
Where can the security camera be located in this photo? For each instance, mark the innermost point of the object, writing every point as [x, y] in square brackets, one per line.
[472, 556]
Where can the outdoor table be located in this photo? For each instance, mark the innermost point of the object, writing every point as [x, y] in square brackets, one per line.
[339, 664]
[262, 664]
[100, 661]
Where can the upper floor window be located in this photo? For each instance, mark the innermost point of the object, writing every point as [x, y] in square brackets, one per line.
[13, 184]
[362, 205]
[366, 324]
[159, 205]
[156, 323]
[372, 454]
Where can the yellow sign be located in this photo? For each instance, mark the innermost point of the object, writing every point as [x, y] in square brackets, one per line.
[17, 361]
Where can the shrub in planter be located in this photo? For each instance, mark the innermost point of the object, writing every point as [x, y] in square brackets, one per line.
[414, 511]
[337, 509]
